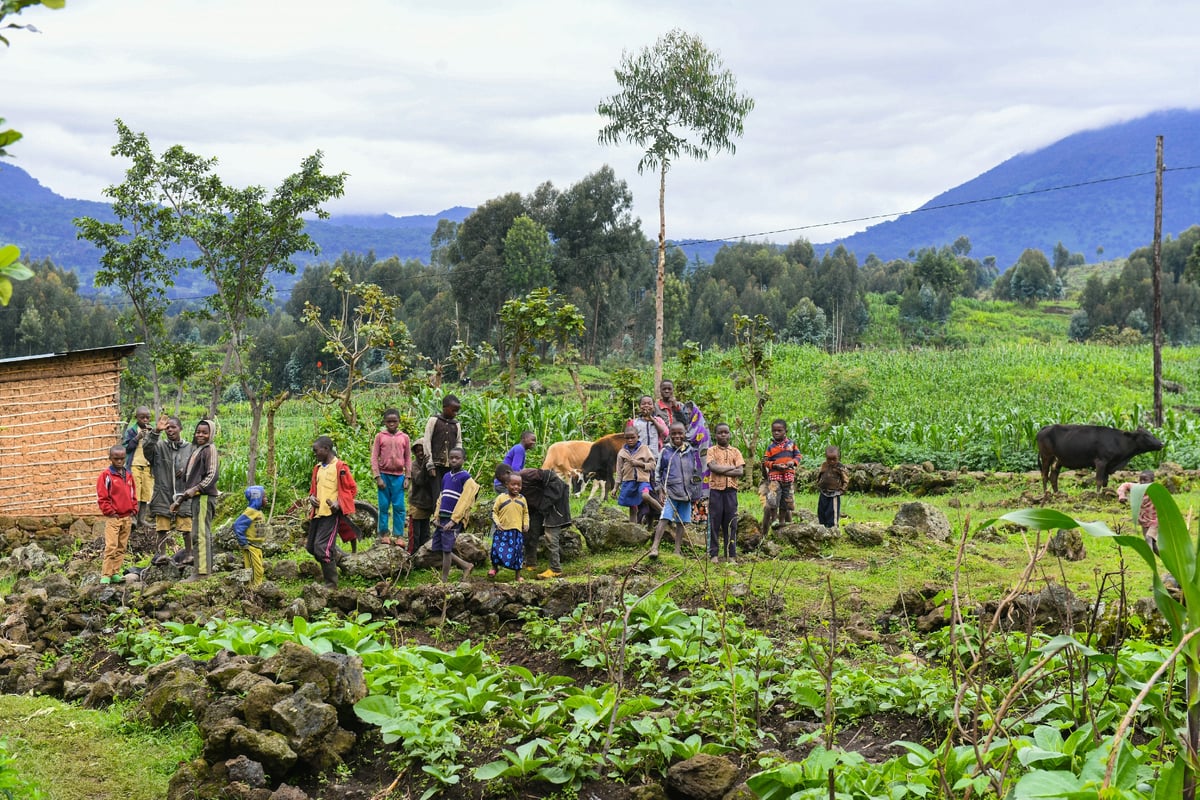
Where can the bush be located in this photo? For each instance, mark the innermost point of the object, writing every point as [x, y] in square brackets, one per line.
[844, 392]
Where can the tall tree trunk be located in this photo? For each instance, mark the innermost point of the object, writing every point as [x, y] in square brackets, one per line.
[1156, 275]
[661, 277]
[218, 381]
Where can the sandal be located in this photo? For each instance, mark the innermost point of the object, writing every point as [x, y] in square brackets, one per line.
[491, 573]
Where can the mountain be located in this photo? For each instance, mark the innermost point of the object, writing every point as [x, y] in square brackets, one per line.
[1100, 206]
[1093, 189]
[40, 222]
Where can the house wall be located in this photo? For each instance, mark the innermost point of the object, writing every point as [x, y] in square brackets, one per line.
[58, 417]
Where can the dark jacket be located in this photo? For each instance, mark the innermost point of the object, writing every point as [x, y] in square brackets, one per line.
[168, 464]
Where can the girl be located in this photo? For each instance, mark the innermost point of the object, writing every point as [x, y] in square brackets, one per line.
[510, 518]
[635, 465]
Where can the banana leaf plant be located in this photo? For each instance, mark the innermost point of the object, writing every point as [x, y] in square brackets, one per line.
[1176, 558]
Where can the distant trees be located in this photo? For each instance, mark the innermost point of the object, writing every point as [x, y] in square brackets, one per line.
[676, 99]
[63, 320]
[1029, 280]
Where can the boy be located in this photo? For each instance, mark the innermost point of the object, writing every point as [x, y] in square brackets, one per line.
[779, 464]
[454, 506]
[726, 464]
[681, 485]
[168, 458]
[442, 434]
[135, 438]
[200, 493]
[245, 528]
[117, 497]
[331, 492]
[510, 518]
[635, 465]
[421, 498]
[515, 457]
[391, 463]
[833, 479]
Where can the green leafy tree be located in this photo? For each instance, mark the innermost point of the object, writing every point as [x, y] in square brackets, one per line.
[527, 256]
[676, 99]
[476, 256]
[806, 324]
[31, 330]
[541, 317]
[366, 322]
[245, 236]
[135, 249]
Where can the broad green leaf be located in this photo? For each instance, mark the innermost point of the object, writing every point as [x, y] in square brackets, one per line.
[1048, 519]
[1051, 784]
[6, 290]
[489, 771]
[1169, 785]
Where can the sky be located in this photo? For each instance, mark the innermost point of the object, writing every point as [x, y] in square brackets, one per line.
[862, 107]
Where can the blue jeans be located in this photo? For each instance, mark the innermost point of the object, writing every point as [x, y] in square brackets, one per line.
[392, 496]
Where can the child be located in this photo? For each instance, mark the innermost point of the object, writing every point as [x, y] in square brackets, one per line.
[515, 457]
[245, 528]
[331, 493]
[549, 500]
[510, 516]
[454, 506]
[635, 465]
[135, 438]
[442, 434]
[421, 498]
[117, 497]
[779, 462]
[391, 463]
[681, 485]
[833, 479]
[200, 491]
[726, 464]
[651, 430]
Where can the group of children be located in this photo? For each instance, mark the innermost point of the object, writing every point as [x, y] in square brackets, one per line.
[672, 481]
[164, 477]
[425, 494]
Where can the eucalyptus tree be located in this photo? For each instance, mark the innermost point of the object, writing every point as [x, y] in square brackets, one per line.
[676, 99]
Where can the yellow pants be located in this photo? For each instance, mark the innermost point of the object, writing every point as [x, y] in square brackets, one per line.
[116, 539]
[253, 561]
[143, 483]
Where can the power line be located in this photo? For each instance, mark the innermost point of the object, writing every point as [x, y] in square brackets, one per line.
[459, 272]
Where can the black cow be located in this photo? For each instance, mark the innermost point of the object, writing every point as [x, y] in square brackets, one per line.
[1083, 446]
[601, 461]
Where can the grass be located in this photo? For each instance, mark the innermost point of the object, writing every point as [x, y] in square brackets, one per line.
[71, 753]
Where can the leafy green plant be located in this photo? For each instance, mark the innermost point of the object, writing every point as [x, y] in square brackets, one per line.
[12, 783]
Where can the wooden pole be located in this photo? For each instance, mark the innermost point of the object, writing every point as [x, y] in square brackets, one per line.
[1157, 283]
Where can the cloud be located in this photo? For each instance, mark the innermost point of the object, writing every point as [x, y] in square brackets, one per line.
[861, 108]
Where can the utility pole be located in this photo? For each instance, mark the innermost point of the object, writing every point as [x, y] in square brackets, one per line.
[1157, 284]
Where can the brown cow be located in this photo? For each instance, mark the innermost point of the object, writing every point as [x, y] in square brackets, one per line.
[566, 458]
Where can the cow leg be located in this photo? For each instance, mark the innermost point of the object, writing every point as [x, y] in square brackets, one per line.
[1054, 475]
[1101, 474]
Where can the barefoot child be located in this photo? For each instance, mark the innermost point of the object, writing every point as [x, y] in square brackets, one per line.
[510, 516]
[635, 466]
[681, 484]
[454, 506]
[779, 462]
[117, 498]
[833, 479]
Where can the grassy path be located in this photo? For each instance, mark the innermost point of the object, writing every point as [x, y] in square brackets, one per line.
[72, 753]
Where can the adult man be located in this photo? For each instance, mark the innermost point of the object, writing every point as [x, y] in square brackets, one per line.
[549, 500]
[168, 459]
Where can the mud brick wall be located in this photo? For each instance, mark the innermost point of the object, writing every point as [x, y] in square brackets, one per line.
[58, 417]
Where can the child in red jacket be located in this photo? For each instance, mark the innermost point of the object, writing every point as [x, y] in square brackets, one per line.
[331, 497]
[117, 497]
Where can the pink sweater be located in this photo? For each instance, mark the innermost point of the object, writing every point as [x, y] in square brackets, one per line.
[391, 454]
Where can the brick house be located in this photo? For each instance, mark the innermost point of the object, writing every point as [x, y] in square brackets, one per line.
[59, 414]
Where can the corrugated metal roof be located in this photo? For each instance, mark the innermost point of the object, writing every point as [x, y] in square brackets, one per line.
[126, 348]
